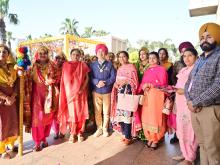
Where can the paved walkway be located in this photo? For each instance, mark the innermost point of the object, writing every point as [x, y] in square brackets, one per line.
[100, 151]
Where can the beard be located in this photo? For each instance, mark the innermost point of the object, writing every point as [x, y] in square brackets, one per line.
[207, 47]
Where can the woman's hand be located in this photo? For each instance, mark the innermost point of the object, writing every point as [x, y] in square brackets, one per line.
[122, 83]
[49, 81]
[10, 100]
[116, 85]
[180, 91]
[147, 86]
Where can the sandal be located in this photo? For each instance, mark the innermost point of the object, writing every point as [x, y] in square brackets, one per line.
[178, 158]
[37, 148]
[154, 146]
[185, 162]
[61, 136]
[6, 156]
[148, 144]
[122, 139]
[72, 139]
[44, 144]
[80, 138]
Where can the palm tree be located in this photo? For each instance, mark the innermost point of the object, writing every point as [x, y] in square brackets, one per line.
[13, 18]
[70, 27]
[9, 38]
[143, 43]
[88, 32]
[100, 33]
[46, 35]
[29, 37]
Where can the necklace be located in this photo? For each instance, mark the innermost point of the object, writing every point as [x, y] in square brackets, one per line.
[101, 69]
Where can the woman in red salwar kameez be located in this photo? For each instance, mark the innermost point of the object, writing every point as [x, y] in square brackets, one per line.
[59, 60]
[73, 104]
[44, 97]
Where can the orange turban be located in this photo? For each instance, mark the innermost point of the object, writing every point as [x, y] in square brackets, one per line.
[213, 29]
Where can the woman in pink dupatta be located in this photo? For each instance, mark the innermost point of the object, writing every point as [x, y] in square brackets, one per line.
[44, 97]
[73, 107]
[126, 79]
[153, 121]
[185, 133]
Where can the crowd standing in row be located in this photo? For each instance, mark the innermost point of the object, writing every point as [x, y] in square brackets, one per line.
[183, 98]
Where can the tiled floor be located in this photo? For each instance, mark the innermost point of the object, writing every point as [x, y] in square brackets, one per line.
[101, 151]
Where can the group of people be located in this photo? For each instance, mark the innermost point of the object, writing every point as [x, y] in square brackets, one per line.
[56, 97]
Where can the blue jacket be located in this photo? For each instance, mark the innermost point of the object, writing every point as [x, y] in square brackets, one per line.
[105, 72]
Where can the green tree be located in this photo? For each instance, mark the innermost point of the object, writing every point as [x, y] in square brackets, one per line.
[29, 37]
[13, 18]
[133, 57]
[88, 32]
[9, 38]
[143, 43]
[70, 27]
[46, 35]
[100, 33]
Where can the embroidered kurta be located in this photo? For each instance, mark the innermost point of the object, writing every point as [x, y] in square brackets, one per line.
[185, 133]
[128, 73]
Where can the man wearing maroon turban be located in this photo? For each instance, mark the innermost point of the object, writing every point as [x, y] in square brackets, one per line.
[202, 91]
[178, 65]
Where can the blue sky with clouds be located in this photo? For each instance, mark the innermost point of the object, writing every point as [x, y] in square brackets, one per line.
[127, 19]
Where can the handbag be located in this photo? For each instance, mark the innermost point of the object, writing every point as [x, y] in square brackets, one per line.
[128, 102]
[168, 105]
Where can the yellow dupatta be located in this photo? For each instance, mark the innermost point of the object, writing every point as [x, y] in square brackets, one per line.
[8, 76]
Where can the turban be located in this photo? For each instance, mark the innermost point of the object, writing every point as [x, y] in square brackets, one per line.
[101, 46]
[213, 29]
[185, 45]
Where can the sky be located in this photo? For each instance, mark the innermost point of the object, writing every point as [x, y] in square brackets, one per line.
[126, 19]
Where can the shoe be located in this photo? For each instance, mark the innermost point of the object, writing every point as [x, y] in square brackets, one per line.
[174, 140]
[185, 162]
[6, 156]
[80, 138]
[128, 141]
[178, 158]
[105, 133]
[98, 132]
[37, 148]
[56, 136]
[44, 144]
